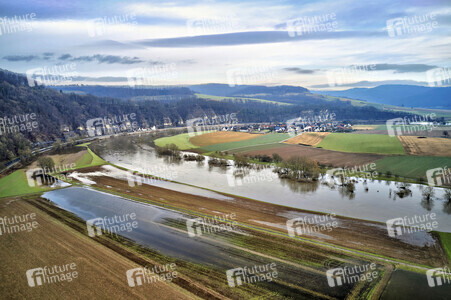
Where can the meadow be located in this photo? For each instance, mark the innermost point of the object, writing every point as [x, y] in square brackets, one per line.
[217, 137]
[362, 143]
[270, 138]
[411, 166]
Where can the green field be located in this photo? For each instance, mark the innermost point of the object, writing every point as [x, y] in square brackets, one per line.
[180, 140]
[90, 159]
[445, 238]
[362, 143]
[220, 98]
[411, 166]
[17, 184]
[259, 147]
[270, 138]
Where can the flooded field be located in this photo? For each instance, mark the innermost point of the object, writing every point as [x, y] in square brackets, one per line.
[153, 232]
[372, 199]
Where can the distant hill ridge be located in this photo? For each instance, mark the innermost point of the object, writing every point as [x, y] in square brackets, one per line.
[400, 95]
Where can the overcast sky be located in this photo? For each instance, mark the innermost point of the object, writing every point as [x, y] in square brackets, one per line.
[315, 44]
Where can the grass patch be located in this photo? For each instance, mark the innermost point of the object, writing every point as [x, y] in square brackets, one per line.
[89, 159]
[270, 138]
[16, 183]
[411, 166]
[445, 238]
[362, 143]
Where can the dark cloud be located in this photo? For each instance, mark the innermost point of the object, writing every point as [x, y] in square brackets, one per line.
[47, 55]
[406, 68]
[20, 57]
[299, 70]
[103, 59]
[65, 57]
[252, 37]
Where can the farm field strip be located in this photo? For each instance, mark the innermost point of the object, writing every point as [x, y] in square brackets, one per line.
[182, 140]
[362, 143]
[423, 146]
[307, 138]
[411, 166]
[221, 98]
[269, 138]
[218, 137]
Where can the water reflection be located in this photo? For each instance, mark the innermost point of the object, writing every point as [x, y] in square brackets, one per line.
[296, 187]
[376, 200]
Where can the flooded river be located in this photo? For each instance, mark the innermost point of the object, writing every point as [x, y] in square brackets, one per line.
[372, 200]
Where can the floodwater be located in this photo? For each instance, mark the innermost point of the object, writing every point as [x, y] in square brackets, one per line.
[372, 199]
[152, 231]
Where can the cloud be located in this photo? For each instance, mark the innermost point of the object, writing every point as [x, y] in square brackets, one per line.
[100, 79]
[20, 57]
[406, 68]
[252, 37]
[300, 71]
[64, 57]
[99, 58]
[47, 55]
